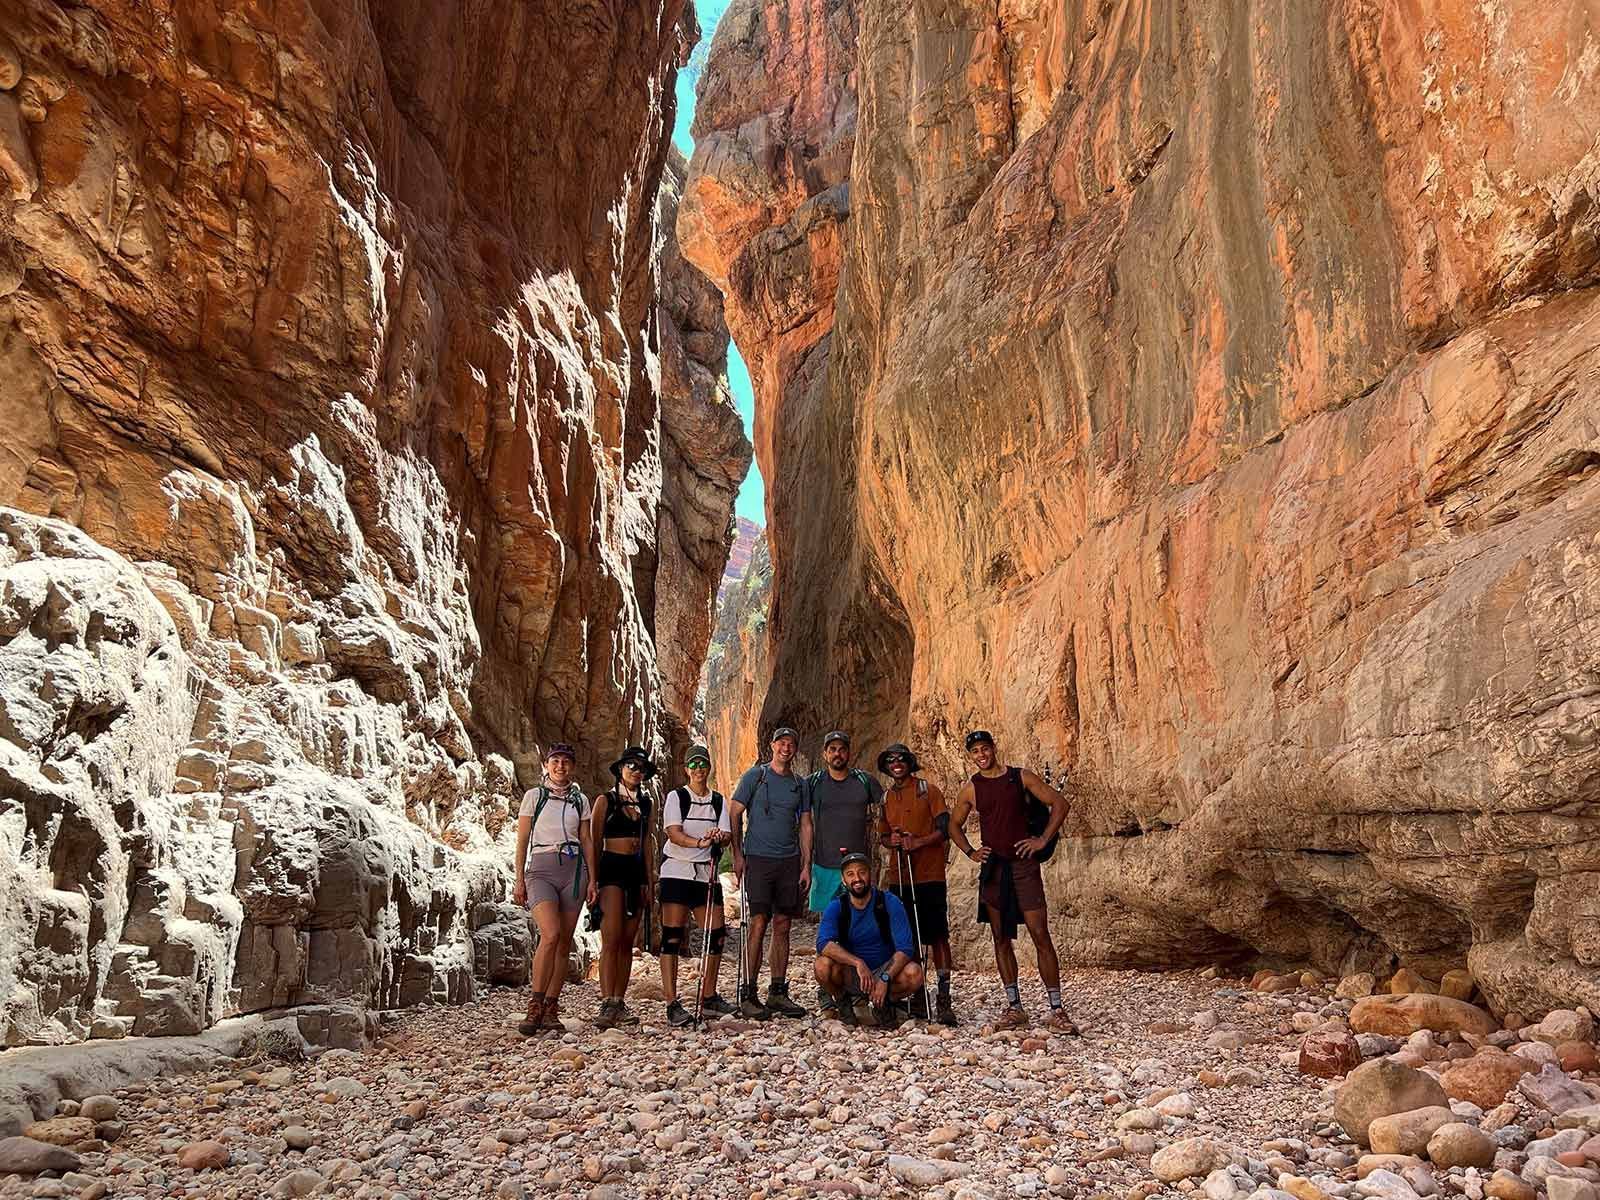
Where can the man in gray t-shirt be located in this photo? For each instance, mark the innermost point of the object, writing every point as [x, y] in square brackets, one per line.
[772, 857]
[843, 802]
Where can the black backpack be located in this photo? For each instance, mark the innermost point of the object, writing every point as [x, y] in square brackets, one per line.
[1037, 815]
[880, 911]
[686, 801]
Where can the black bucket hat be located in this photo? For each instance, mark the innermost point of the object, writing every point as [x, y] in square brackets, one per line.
[897, 748]
[637, 755]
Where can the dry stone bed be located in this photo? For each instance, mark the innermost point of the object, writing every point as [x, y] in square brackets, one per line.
[1183, 1085]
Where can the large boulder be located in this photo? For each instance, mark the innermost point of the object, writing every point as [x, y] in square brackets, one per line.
[1381, 1088]
[1329, 1053]
[1401, 1016]
[1486, 1078]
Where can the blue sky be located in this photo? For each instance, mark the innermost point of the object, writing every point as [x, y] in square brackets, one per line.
[750, 503]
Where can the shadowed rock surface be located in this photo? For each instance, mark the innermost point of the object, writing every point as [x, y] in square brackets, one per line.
[346, 457]
[1205, 404]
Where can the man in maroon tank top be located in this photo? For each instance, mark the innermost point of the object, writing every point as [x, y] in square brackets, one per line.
[1010, 885]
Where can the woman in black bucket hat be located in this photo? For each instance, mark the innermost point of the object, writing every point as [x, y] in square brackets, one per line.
[621, 825]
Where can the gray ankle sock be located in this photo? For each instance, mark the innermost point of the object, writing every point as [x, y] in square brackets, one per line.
[1014, 995]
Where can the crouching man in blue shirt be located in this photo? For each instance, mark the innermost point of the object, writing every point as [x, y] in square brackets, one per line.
[866, 957]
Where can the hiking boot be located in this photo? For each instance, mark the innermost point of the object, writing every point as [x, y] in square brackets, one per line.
[917, 1006]
[625, 1016]
[607, 1017]
[551, 1017]
[714, 1005]
[1014, 1017]
[1059, 1022]
[678, 1016]
[943, 1011]
[531, 1020]
[829, 1008]
[867, 1013]
[778, 1000]
[752, 1009]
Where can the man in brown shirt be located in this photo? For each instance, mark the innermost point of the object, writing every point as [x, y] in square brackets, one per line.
[913, 831]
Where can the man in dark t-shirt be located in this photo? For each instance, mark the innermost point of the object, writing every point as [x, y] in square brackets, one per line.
[843, 803]
[1010, 884]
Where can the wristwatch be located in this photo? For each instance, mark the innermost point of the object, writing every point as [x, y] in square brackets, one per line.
[884, 975]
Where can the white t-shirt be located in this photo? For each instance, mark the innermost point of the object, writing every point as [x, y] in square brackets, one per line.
[697, 819]
[560, 821]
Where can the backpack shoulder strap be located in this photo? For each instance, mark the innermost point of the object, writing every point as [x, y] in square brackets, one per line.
[716, 806]
[880, 910]
[922, 787]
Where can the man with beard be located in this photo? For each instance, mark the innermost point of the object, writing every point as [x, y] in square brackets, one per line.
[866, 957]
[1010, 885]
[914, 832]
[843, 801]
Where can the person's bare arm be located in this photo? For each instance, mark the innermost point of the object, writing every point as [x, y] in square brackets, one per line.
[958, 825]
[519, 889]
[586, 840]
[1043, 792]
[597, 819]
[806, 831]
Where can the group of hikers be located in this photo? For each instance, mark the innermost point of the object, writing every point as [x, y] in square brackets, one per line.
[821, 842]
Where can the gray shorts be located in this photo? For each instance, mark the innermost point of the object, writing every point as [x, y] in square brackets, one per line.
[550, 876]
[772, 885]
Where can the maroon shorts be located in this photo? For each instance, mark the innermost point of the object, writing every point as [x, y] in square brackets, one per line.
[1026, 881]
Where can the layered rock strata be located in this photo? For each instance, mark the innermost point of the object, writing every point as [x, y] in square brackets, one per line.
[337, 417]
[1208, 408]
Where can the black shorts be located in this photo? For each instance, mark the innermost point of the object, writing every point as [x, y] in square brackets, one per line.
[689, 892]
[930, 920]
[625, 871]
[772, 885]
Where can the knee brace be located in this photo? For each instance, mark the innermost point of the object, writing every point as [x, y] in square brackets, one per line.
[672, 938]
[719, 938]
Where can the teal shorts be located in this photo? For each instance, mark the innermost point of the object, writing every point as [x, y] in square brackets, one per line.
[825, 882]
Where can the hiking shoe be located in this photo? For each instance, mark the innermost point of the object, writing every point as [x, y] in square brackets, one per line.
[779, 1003]
[608, 1015]
[626, 1016]
[531, 1020]
[551, 1017]
[752, 1009]
[678, 1016]
[1014, 1017]
[829, 1008]
[716, 1006]
[1059, 1022]
[866, 1013]
[943, 1011]
[917, 1006]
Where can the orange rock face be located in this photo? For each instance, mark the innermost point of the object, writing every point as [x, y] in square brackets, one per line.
[1207, 409]
[358, 438]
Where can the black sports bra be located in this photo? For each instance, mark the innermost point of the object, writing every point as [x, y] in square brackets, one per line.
[618, 824]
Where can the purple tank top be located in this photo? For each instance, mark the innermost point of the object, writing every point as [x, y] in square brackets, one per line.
[1002, 811]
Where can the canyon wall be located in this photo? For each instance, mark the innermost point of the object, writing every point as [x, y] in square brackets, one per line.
[1209, 408]
[347, 462]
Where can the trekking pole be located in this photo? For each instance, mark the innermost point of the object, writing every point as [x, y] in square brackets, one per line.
[705, 951]
[744, 927]
[908, 871]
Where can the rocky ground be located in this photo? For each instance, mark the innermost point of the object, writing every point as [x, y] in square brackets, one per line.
[1182, 1083]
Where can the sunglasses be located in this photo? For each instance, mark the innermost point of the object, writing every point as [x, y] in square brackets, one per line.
[896, 758]
[698, 762]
